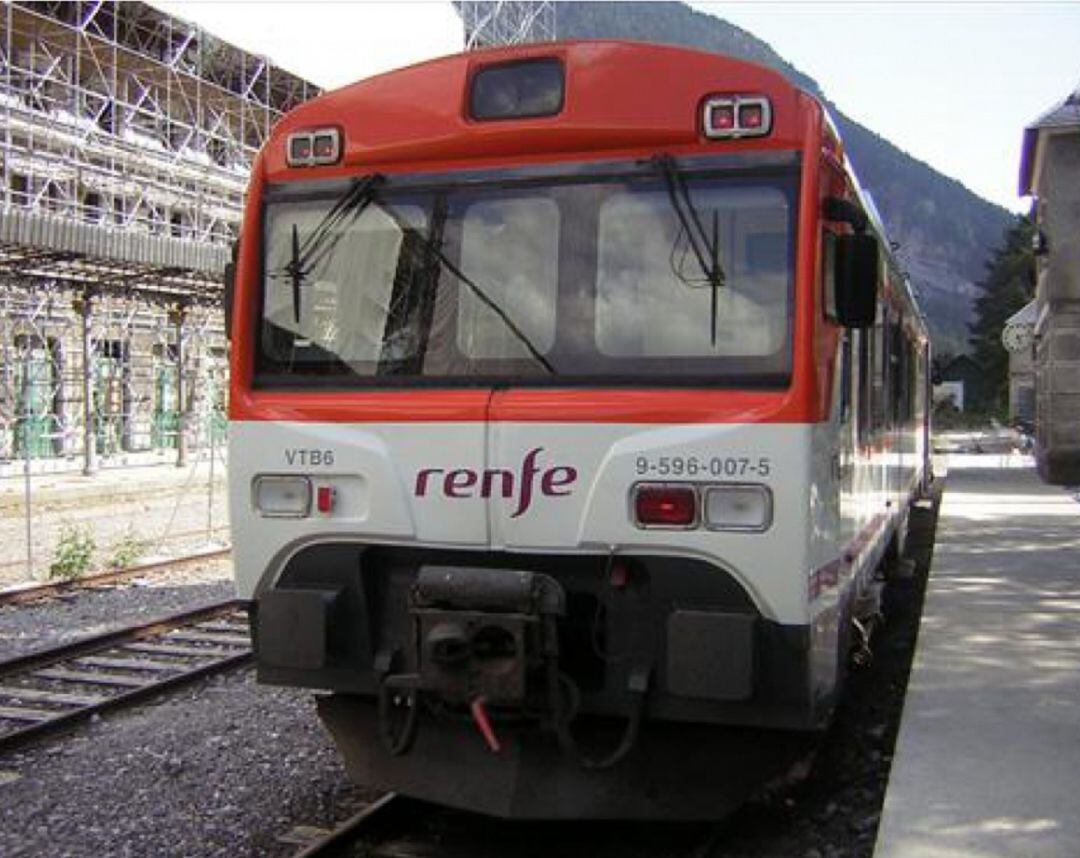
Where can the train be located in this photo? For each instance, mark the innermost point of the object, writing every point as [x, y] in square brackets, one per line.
[577, 407]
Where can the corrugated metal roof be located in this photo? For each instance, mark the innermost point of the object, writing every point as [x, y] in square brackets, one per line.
[61, 235]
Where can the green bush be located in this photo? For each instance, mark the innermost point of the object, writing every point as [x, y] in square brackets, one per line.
[74, 553]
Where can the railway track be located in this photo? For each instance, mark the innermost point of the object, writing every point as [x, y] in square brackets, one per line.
[394, 826]
[57, 588]
[386, 815]
[51, 689]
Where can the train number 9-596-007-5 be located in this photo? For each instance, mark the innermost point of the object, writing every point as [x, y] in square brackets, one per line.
[698, 466]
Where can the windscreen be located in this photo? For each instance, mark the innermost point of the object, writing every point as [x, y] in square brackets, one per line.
[620, 279]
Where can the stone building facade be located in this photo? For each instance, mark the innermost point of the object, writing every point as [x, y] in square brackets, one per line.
[1050, 173]
[126, 138]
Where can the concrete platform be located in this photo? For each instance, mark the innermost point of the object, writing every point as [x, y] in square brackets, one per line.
[987, 762]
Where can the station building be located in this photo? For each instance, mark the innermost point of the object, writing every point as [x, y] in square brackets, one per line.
[127, 139]
[1050, 173]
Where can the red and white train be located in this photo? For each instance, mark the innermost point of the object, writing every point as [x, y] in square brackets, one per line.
[575, 400]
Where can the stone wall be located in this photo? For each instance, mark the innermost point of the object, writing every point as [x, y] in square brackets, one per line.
[1057, 355]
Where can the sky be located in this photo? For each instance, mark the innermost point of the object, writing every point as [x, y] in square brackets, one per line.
[951, 82]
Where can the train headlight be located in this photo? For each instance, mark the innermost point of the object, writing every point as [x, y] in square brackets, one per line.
[313, 148]
[738, 506]
[281, 496]
[729, 117]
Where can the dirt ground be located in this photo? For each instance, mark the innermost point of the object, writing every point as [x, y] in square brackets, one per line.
[115, 517]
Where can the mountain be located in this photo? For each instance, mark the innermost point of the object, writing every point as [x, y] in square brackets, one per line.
[945, 232]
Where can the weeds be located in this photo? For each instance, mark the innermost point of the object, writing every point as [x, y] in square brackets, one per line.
[74, 553]
[127, 551]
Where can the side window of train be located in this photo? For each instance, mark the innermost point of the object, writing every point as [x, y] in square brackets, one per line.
[866, 362]
[879, 372]
[911, 381]
[845, 381]
[898, 373]
[828, 275]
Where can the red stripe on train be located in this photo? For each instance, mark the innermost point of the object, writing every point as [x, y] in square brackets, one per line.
[522, 406]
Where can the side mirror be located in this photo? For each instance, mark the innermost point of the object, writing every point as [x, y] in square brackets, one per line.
[857, 263]
[229, 283]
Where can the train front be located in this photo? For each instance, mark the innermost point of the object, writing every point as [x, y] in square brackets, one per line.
[520, 443]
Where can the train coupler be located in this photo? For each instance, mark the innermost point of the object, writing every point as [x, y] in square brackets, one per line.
[478, 636]
[480, 632]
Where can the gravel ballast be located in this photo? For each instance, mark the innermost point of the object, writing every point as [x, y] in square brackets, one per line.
[220, 770]
[226, 767]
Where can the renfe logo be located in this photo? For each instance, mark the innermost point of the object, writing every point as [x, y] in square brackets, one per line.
[467, 483]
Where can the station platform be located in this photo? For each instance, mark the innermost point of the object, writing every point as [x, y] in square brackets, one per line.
[987, 761]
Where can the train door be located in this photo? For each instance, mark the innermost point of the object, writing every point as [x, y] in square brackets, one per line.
[844, 421]
[515, 241]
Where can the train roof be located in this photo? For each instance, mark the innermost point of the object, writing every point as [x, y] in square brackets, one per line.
[618, 96]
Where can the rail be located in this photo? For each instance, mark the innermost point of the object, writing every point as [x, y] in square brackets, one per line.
[45, 691]
[56, 588]
[382, 816]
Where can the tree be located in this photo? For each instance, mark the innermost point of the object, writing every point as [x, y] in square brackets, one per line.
[1009, 284]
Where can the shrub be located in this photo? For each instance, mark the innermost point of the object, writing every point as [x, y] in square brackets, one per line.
[74, 553]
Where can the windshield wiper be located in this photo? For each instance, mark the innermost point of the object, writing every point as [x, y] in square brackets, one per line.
[296, 273]
[706, 248]
[431, 244]
[307, 256]
[495, 308]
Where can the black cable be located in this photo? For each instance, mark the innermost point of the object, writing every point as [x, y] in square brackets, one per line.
[561, 720]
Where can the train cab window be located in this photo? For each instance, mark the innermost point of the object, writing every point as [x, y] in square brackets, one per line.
[339, 287]
[512, 245]
[584, 280]
[652, 296]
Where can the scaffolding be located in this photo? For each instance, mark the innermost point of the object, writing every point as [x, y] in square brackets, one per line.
[126, 119]
[128, 135]
[503, 22]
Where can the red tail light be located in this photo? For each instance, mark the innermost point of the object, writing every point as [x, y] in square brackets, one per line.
[665, 506]
[324, 499]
